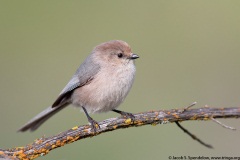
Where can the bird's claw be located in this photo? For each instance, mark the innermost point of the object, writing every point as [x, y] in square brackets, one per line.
[94, 125]
[128, 115]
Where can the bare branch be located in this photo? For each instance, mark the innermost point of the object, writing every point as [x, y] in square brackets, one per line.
[223, 125]
[191, 105]
[43, 146]
[193, 136]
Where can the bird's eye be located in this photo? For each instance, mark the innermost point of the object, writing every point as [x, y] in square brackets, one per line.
[120, 55]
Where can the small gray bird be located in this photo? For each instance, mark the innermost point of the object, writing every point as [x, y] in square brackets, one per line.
[100, 84]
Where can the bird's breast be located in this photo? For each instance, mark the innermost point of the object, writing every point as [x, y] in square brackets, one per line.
[107, 89]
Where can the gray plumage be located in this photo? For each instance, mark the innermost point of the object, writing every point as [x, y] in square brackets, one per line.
[83, 75]
[100, 84]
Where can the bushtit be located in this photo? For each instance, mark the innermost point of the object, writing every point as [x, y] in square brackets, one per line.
[100, 84]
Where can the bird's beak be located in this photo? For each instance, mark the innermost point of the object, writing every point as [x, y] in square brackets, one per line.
[134, 56]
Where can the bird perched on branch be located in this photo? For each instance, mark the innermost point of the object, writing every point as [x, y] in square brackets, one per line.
[100, 84]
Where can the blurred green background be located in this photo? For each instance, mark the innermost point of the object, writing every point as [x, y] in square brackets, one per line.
[189, 51]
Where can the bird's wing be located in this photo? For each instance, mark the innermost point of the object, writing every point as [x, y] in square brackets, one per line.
[84, 75]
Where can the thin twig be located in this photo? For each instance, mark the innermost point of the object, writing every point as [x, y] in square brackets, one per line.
[191, 105]
[188, 132]
[223, 125]
[193, 136]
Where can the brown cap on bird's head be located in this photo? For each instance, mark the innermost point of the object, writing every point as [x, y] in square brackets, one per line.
[118, 52]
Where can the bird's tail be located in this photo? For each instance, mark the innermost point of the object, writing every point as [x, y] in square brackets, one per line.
[39, 119]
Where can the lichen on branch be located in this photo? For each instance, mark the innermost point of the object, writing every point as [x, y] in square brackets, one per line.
[43, 146]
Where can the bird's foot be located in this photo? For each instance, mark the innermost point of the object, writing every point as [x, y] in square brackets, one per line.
[94, 125]
[125, 114]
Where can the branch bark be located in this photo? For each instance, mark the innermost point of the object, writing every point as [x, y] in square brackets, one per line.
[43, 146]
